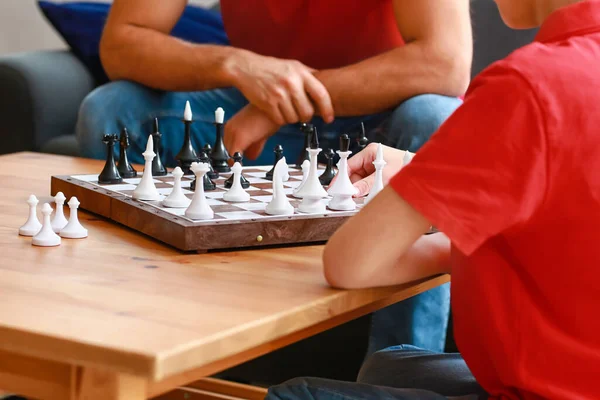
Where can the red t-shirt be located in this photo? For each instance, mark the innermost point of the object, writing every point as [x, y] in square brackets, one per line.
[319, 33]
[513, 178]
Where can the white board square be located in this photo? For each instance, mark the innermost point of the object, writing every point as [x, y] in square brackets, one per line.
[253, 206]
[238, 215]
[86, 178]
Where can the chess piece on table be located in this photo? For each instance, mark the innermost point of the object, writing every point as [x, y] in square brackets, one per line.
[32, 226]
[187, 155]
[59, 221]
[279, 204]
[110, 173]
[308, 130]
[237, 157]
[305, 168]
[379, 163]
[124, 167]
[207, 180]
[199, 208]
[46, 236]
[74, 229]
[146, 190]
[212, 174]
[236, 194]
[278, 156]
[342, 189]
[312, 192]
[219, 155]
[329, 173]
[158, 169]
[176, 199]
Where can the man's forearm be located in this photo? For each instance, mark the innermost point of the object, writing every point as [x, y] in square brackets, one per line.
[384, 81]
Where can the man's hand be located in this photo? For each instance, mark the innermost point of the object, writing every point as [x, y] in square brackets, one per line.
[361, 168]
[286, 90]
[247, 131]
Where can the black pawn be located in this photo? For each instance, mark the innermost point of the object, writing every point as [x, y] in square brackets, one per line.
[187, 155]
[237, 157]
[212, 174]
[219, 155]
[207, 182]
[158, 169]
[362, 140]
[314, 139]
[308, 130]
[344, 143]
[110, 173]
[278, 156]
[329, 173]
[124, 167]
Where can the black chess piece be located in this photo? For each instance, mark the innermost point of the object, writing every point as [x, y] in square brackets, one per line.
[329, 173]
[278, 156]
[212, 174]
[237, 157]
[219, 155]
[124, 167]
[308, 130]
[187, 155]
[158, 169]
[207, 181]
[362, 140]
[344, 143]
[110, 173]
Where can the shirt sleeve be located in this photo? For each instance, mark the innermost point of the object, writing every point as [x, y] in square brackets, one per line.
[485, 170]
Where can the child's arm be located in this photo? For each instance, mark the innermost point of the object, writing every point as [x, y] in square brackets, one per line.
[384, 245]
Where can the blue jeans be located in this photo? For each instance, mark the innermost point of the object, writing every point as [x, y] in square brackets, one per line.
[400, 373]
[421, 320]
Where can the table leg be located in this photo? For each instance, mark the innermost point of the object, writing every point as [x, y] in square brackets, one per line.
[96, 384]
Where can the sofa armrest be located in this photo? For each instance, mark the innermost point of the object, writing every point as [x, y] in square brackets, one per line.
[40, 94]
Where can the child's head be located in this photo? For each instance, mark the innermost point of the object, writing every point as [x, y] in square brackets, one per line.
[524, 14]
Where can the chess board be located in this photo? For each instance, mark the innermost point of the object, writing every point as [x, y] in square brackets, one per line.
[235, 225]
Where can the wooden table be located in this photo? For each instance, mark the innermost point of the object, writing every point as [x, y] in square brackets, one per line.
[121, 316]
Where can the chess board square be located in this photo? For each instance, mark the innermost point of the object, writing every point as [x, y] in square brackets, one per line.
[136, 181]
[255, 174]
[253, 206]
[239, 215]
[165, 191]
[264, 199]
[86, 178]
[258, 193]
[224, 208]
[254, 180]
[120, 187]
[285, 190]
[292, 184]
[266, 185]
[162, 185]
[214, 194]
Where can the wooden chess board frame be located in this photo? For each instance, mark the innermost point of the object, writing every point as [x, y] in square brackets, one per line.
[172, 227]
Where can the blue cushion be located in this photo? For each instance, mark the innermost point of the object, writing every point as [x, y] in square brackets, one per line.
[81, 24]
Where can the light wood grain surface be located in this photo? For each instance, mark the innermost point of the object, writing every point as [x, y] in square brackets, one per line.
[119, 301]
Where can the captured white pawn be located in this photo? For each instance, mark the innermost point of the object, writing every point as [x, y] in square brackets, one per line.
[379, 163]
[146, 189]
[73, 229]
[280, 204]
[305, 168]
[199, 208]
[236, 194]
[46, 236]
[32, 225]
[177, 199]
[59, 221]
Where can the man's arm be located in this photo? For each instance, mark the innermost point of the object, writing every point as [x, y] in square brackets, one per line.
[436, 59]
[384, 245]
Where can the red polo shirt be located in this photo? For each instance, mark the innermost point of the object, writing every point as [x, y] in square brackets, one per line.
[319, 33]
[513, 178]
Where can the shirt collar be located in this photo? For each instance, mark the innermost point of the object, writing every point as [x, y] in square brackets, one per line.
[571, 20]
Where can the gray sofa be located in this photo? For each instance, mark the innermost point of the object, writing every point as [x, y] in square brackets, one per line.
[40, 92]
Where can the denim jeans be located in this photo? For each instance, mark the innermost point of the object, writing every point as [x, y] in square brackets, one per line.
[421, 320]
[400, 373]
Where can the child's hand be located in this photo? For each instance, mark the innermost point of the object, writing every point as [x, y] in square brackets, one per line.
[361, 168]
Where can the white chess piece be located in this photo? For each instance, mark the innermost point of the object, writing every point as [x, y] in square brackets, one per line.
[280, 204]
[187, 113]
[312, 191]
[236, 194]
[379, 163]
[199, 208]
[177, 199]
[408, 156]
[305, 168]
[146, 189]
[74, 229]
[219, 115]
[59, 221]
[46, 236]
[33, 225]
[342, 189]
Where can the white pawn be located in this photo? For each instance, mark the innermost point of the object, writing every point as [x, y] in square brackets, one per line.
[312, 192]
[59, 221]
[280, 204]
[305, 168]
[177, 199]
[236, 194]
[342, 189]
[46, 236]
[379, 163]
[33, 225]
[74, 229]
[146, 189]
[199, 208]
